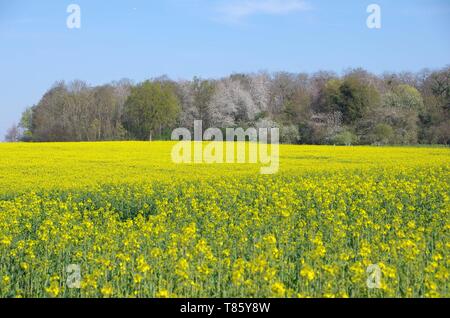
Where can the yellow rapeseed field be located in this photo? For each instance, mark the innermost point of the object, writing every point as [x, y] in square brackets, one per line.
[138, 225]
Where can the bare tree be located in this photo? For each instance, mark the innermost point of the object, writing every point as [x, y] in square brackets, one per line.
[13, 134]
[260, 91]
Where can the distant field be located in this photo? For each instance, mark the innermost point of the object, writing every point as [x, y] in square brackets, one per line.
[139, 225]
[28, 166]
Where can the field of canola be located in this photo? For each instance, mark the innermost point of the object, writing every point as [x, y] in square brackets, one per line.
[139, 225]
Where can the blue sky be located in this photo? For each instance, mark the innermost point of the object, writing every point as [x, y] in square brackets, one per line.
[139, 39]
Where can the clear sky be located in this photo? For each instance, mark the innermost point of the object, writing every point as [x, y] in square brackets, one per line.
[139, 39]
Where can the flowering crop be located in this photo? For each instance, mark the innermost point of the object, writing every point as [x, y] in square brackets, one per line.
[139, 225]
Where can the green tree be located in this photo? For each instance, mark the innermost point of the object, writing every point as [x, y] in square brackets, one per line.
[26, 124]
[356, 97]
[345, 138]
[351, 96]
[404, 96]
[383, 134]
[150, 106]
[332, 97]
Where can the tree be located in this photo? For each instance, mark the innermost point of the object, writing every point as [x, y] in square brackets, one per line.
[322, 127]
[298, 108]
[395, 108]
[232, 103]
[105, 113]
[440, 134]
[49, 118]
[439, 83]
[355, 98]
[332, 98]
[203, 92]
[260, 91]
[399, 112]
[352, 97]
[13, 134]
[318, 81]
[289, 134]
[195, 97]
[281, 90]
[403, 96]
[150, 106]
[404, 123]
[26, 124]
[435, 117]
[344, 138]
[383, 134]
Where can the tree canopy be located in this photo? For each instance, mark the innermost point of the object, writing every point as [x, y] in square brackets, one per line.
[150, 106]
[320, 108]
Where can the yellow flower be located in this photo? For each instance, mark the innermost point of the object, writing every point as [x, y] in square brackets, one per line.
[137, 278]
[308, 273]
[24, 266]
[6, 241]
[143, 267]
[107, 290]
[162, 293]
[6, 279]
[53, 290]
[278, 290]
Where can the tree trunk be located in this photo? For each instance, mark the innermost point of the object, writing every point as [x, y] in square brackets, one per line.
[150, 138]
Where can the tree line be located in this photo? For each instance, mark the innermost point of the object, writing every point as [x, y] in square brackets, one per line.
[356, 107]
